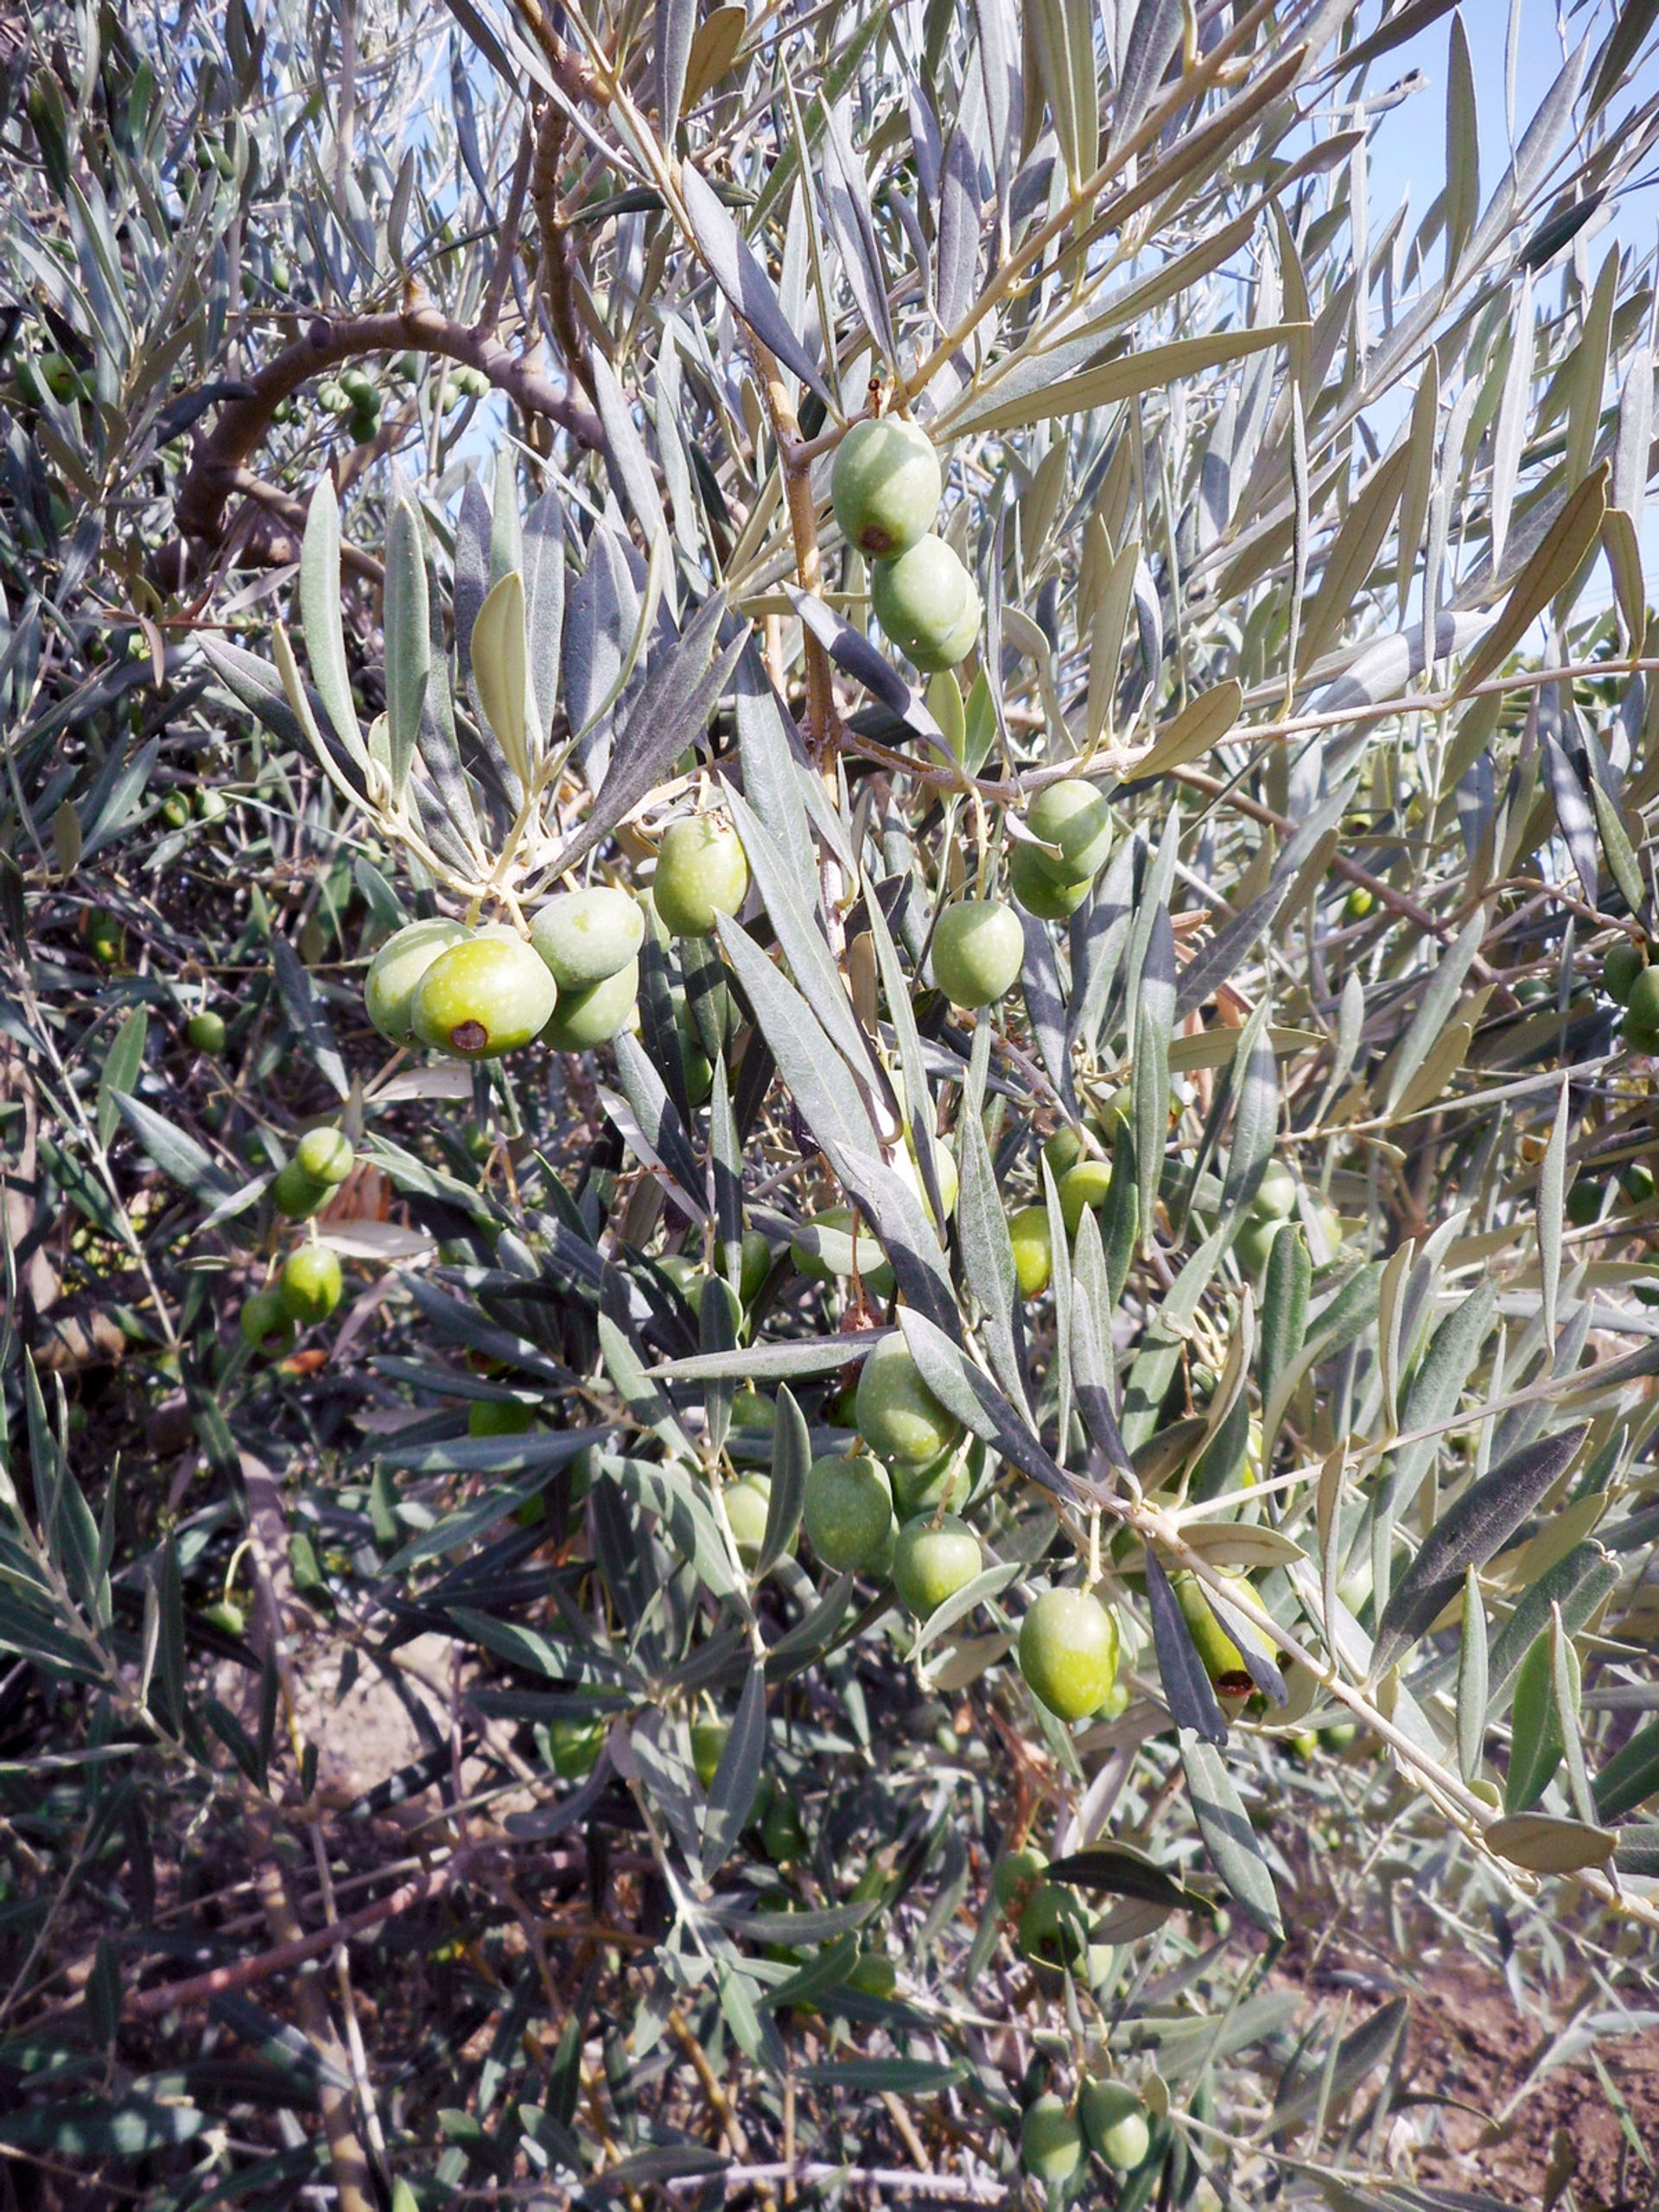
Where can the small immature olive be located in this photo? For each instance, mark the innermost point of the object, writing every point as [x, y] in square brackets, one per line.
[310, 1284]
[1072, 817]
[266, 1325]
[978, 950]
[593, 1015]
[1642, 1007]
[1639, 1038]
[1063, 1150]
[898, 1416]
[1040, 892]
[1033, 1250]
[701, 873]
[175, 809]
[748, 1502]
[1087, 1184]
[683, 1273]
[708, 1739]
[1014, 1876]
[1054, 1926]
[752, 1408]
[836, 1242]
[927, 604]
[696, 1069]
[204, 1033]
[1051, 2141]
[297, 1194]
[1636, 1183]
[754, 1267]
[1068, 1652]
[873, 1974]
[396, 971]
[1115, 2120]
[1219, 1655]
[1534, 990]
[106, 938]
[1275, 1196]
[1584, 1201]
[1621, 965]
[485, 997]
[848, 1513]
[326, 1155]
[783, 1833]
[1647, 1293]
[930, 1563]
[886, 486]
[499, 1417]
[1254, 1242]
[587, 935]
[1359, 903]
[576, 1746]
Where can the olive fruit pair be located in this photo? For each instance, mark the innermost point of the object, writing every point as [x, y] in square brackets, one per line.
[886, 488]
[1050, 879]
[590, 942]
[322, 1160]
[979, 949]
[1068, 1653]
[701, 873]
[474, 993]
[1110, 2118]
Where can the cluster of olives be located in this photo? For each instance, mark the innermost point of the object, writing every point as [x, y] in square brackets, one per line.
[1633, 981]
[309, 1283]
[476, 994]
[1052, 879]
[886, 488]
[886, 1511]
[1106, 2118]
[353, 393]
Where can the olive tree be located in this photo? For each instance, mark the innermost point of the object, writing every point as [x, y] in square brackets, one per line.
[827, 852]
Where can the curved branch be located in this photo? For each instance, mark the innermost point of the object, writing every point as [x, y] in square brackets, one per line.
[211, 477]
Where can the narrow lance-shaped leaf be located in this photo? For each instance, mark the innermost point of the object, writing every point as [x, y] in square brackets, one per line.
[1472, 1679]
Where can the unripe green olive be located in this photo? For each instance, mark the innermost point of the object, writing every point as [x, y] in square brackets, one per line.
[752, 1408]
[485, 996]
[574, 1745]
[326, 1155]
[783, 1832]
[927, 604]
[1014, 1876]
[1039, 891]
[297, 1194]
[1584, 1201]
[874, 1974]
[1642, 1007]
[1086, 1184]
[1636, 1183]
[266, 1325]
[754, 1267]
[748, 1502]
[836, 1241]
[587, 935]
[1254, 1242]
[1622, 962]
[1063, 1149]
[1033, 1250]
[979, 949]
[1054, 1926]
[942, 1483]
[1275, 1196]
[1360, 902]
[1051, 2141]
[593, 1016]
[701, 873]
[1218, 1652]
[931, 1562]
[898, 1416]
[499, 1417]
[204, 1032]
[1072, 817]
[310, 1284]
[886, 486]
[1068, 1652]
[1115, 2120]
[708, 1740]
[395, 972]
[1638, 1038]
[848, 1513]
[907, 1168]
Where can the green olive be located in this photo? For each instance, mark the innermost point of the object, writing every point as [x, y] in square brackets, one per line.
[1071, 816]
[267, 1327]
[1063, 1150]
[1087, 1185]
[1115, 2120]
[326, 1155]
[1053, 1928]
[310, 1284]
[874, 1974]
[586, 936]
[1218, 1652]
[886, 486]
[927, 604]
[1014, 1876]
[499, 1417]
[1041, 891]
[783, 1832]
[1068, 1652]
[297, 1194]
[1051, 2141]
[1033, 1250]
[1275, 1195]
[204, 1032]
[837, 1242]
[898, 1416]
[1254, 1242]
[755, 1265]
[848, 1513]
[932, 1561]
[1642, 1007]
[485, 996]
[1622, 962]
[1636, 1183]
[1359, 903]
[709, 1741]
[701, 873]
[942, 1483]
[574, 1745]
[752, 1408]
[1584, 1201]
[748, 1502]
[593, 1015]
[979, 949]
[396, 971]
